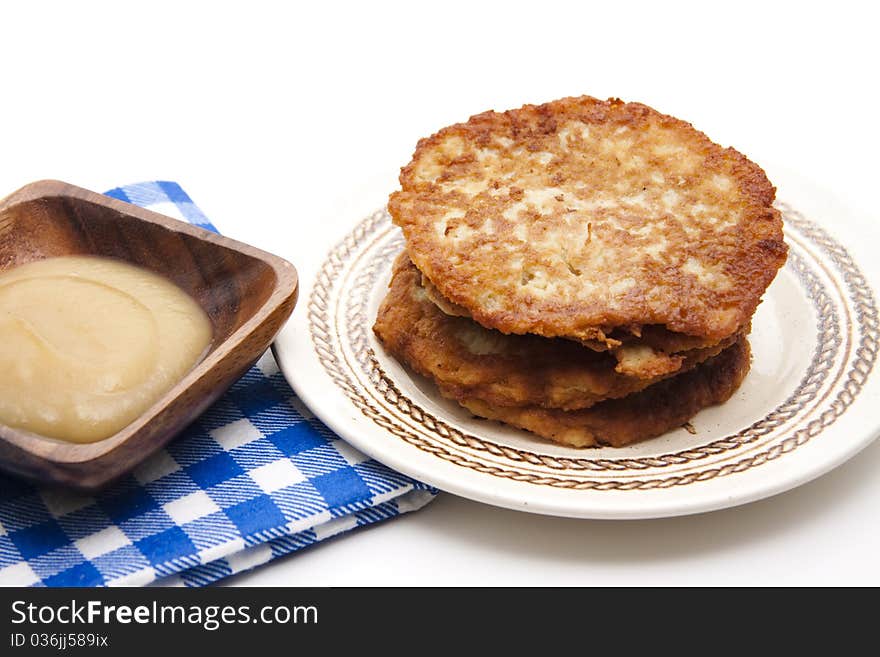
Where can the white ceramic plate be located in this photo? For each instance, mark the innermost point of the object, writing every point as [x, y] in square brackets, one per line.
[811, 400]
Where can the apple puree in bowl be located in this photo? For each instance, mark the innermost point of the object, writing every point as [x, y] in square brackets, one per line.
[87, 344]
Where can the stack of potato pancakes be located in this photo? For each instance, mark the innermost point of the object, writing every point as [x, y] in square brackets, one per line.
[584, 269]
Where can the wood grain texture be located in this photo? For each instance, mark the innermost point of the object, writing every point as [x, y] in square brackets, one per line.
[247, 293]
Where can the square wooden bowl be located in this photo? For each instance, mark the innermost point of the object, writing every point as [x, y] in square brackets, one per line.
[247, 293]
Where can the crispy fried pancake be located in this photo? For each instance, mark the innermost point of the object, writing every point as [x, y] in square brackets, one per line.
[471, 362]
[580, 216]
[643, 351]
[646, 414]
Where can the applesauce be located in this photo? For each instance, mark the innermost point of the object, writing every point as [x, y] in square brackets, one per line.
[87, 344]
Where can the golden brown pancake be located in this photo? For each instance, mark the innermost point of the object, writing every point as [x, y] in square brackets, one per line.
[655, 410]
[642, 351]
[470, 362]
[591, 220]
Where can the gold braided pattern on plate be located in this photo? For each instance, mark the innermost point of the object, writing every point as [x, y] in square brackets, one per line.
[828, 343]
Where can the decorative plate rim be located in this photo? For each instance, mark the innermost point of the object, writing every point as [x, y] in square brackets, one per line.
[858, 301]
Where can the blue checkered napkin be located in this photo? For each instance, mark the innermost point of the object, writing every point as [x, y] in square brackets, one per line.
[254, 478]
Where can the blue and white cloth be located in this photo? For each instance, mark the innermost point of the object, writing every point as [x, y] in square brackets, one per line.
[257, 476]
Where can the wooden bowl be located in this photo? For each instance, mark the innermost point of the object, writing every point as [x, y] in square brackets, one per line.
[247, 293]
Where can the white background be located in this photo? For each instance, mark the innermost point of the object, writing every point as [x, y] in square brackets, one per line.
[269, 114]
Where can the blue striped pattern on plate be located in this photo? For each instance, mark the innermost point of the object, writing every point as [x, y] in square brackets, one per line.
[257, 476]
